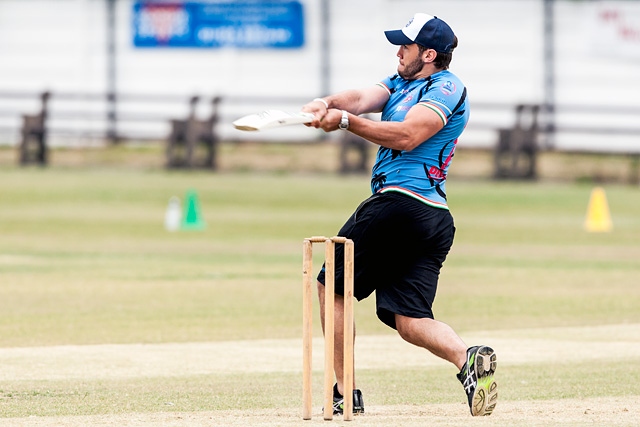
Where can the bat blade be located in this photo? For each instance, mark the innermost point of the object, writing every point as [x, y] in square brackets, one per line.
[270, 119]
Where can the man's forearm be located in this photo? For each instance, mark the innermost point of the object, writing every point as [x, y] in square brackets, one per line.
[359, 101]
[392, 135]
[349, 100]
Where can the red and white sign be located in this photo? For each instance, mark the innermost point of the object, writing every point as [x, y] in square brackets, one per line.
[614, 28]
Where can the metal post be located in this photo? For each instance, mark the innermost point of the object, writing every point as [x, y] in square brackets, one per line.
[325, 48]
[112, 119]
[548, 126]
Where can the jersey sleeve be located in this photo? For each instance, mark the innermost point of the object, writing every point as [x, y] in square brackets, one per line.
[387, 84]
[444, 97]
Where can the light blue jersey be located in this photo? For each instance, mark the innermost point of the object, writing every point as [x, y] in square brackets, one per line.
[422, 172]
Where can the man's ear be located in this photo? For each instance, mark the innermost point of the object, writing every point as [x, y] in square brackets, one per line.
[429, 55]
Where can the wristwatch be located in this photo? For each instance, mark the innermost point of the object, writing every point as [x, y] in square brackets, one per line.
[344, 122]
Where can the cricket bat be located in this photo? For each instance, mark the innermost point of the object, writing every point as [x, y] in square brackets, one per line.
[270, 119]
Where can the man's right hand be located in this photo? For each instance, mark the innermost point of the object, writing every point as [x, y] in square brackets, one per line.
[318, 109]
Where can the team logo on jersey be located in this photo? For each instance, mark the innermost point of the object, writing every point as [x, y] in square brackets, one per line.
[448, 88]
[408, 99]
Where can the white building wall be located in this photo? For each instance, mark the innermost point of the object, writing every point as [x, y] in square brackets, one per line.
[60, 45]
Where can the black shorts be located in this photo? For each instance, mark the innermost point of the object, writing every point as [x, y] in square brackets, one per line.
[400, 246]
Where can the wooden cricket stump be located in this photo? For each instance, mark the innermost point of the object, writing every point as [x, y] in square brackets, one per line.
[308, 281]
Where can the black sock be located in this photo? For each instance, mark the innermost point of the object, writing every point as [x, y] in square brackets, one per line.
[336, 393]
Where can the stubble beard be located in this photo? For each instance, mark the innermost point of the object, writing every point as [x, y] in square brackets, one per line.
[411, 69]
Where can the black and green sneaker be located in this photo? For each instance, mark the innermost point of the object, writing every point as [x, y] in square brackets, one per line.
[338, 401]
[477, 379]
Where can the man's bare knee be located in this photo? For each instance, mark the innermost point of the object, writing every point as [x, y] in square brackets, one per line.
[404, 326]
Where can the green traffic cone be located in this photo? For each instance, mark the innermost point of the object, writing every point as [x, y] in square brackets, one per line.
[192, 218]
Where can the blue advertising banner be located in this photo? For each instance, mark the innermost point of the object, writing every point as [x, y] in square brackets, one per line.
[241, 24]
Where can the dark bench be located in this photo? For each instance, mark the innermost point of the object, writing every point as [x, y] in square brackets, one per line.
[192, 143]
[33, 144]
[516, 153]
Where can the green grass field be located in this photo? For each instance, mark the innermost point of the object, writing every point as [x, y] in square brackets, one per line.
[85, 260]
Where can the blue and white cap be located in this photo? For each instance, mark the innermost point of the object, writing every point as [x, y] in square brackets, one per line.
[425, 30]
